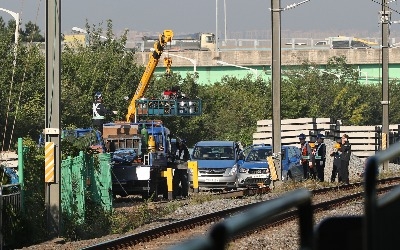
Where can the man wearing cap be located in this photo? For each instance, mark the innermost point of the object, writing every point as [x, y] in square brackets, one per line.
[305, 155]
[181, 175]
[336, 161]
[345, 159]
[320, 156]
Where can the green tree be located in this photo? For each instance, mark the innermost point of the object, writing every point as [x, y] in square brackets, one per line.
[103, 66]
[231, 107]
[31, 33]
[333, 92]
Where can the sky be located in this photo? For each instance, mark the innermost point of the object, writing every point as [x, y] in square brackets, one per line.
[190, 16]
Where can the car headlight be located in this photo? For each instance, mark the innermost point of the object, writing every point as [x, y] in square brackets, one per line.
[233, 170]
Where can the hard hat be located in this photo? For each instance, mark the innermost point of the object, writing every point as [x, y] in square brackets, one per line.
[97, 95]
[337, 145]
[320, 136]
[302, 136]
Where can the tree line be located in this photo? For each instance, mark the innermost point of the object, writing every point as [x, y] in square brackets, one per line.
[231, 106]
[31, 33]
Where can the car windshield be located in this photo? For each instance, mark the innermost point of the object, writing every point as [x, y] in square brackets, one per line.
[213, 153]
[258, 154]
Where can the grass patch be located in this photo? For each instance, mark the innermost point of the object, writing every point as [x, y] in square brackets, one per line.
[201, 198]
[131, 218]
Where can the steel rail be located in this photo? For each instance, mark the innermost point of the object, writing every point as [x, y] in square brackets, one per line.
[187, 224]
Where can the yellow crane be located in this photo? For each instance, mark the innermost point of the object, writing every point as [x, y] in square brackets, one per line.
[159, 45]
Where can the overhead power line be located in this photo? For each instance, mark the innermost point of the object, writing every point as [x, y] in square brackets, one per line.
[294, 5]
[386, 5]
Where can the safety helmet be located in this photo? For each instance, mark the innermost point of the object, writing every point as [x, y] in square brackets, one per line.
[302, 136]
[320, 136]
[97, 95]
[337, 145]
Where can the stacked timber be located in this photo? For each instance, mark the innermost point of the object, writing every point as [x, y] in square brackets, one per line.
[365, 140]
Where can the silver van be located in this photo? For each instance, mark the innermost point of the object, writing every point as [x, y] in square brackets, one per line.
[217, 163]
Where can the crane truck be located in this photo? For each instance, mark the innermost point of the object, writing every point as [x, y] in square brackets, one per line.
[155, 55]
[143, 153]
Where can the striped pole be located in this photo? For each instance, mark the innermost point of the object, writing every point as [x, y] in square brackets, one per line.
[49, 162]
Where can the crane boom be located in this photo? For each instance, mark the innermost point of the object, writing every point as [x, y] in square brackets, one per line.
[155, 55]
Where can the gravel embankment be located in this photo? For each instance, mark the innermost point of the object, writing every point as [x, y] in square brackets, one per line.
[285, 237]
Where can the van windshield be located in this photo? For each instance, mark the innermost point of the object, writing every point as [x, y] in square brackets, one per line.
[259, 154]
[213, 153]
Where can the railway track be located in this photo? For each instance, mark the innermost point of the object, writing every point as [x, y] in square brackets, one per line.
[184, 229]
[239, 193]
[180, 228]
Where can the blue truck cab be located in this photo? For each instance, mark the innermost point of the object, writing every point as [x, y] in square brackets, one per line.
[217, 163]
[140, 153]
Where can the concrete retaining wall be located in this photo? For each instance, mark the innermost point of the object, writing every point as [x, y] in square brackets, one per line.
[288, 57]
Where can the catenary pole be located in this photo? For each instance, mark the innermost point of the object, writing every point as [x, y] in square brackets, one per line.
[385, 19]
[276, 82]
[52, 126]
[216, 26]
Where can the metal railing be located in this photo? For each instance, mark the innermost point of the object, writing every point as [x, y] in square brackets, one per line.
[377, 228]
[382, 219]
[10, 205]
[259, 215]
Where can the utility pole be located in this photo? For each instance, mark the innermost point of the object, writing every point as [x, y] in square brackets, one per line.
[385, 20]
[216, 27]
[225, 20]
[276, 83]
[52, 126]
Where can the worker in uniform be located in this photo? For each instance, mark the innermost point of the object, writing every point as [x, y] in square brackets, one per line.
[345, 159]
[320, 157]
[145, 141]
[305, 155]
[99, 112]
[181, 171]
[311, 164]
[336, 161]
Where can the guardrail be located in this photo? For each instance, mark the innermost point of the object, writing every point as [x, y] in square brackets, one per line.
[228, 229]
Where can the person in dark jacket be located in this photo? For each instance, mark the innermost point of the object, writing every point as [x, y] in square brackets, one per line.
[345, 159]
[320, 156]
[99, 112]
[181, 175]
[336, 161]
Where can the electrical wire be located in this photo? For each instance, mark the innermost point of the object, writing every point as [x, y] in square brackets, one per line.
[386, 6]
[24, 74]
[12, 82]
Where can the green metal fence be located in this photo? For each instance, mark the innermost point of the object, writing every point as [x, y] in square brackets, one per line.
[85, 177]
